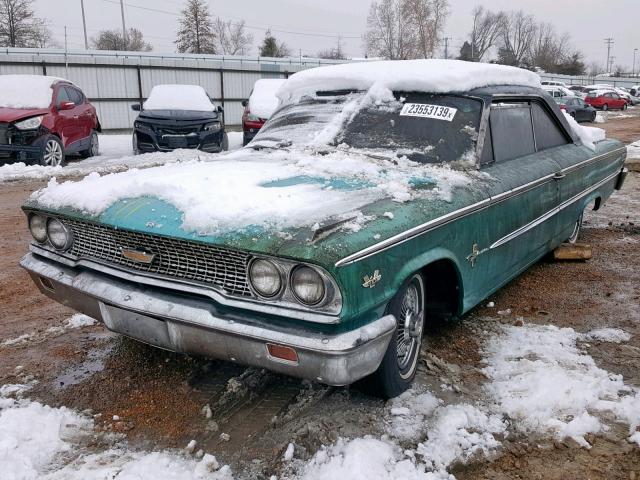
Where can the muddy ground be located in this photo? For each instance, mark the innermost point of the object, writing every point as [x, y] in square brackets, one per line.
[159, 396]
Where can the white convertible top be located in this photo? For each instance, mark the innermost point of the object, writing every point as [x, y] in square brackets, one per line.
[436, 76]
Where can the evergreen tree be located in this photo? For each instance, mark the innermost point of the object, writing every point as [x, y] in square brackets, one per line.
[196, 34]
[271, 48]
[466, 52]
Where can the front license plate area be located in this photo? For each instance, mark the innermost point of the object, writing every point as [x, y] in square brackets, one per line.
[135, 325]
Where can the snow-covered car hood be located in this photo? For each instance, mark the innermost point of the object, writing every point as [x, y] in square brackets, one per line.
[279, 202]
[15, 114]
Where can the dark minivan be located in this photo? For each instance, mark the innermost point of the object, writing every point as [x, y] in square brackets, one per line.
[179, 116]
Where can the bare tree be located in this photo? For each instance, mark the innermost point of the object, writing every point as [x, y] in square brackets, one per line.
[517, 32]
[596, 68]
[426, 19]
[272, 48]
[389, 32]
[487, 27]
[335, 53]
[19, 27]
[112, 40]
[231, 38]
[196, 33]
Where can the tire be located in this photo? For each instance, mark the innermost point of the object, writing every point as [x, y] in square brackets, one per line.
[624, 107]
[573, 238]
[134, 144]
[52, 152]
[225, 142]
[400, 362]
[593, 117]
[605, 107]
[94, 147]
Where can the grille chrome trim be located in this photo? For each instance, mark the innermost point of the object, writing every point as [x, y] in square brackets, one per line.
[220, 268]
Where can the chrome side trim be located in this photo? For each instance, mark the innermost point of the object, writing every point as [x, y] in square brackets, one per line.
[437, 222]
[245, 304]
[551, 213]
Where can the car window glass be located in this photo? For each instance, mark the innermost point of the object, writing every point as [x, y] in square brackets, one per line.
[487, 149]
[547, 132]
[62, 96]
[512, 131]
[74, 95]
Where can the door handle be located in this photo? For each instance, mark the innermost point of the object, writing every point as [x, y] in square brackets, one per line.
[558, 176]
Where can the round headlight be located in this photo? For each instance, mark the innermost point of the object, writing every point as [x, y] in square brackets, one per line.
[307, 285]
[265, 278]
[38, 227]
[58, 234]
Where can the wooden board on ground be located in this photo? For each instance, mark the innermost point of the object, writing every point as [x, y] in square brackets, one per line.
[573, 252]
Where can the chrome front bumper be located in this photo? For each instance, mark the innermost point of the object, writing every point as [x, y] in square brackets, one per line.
[191, 324]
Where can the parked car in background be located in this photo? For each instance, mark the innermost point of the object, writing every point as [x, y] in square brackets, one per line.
[44, 119]
[323, 248]
[179, 116]
[558, 91]
[259, 107]
[635, 90]
[605, 100]
[577, 108]
[553, 83]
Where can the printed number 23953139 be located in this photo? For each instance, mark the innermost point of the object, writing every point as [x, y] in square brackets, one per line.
[437, 112]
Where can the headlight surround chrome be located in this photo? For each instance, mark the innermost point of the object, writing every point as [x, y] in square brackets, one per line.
[30, 123]
[307, 285]
[265, 278]
[38, 227]
[212, 126]
[59, 235]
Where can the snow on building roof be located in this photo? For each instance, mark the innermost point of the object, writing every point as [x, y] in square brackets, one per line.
[435, 75]
[26, 91]
[179, 97]
[263, 100]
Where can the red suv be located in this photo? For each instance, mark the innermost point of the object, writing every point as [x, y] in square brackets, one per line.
[43, 119]
[605, 100]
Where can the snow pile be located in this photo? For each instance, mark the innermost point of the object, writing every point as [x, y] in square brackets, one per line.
[435, 76]
[544, 383]
[38, 441]
[614, 335]
[26, 91]
[263, 100]
[179, 97]
[589, 136]
[278, 189]
[79, 320]
[633, 150]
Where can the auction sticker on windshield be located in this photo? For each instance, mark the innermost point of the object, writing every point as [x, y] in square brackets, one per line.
[425, 110]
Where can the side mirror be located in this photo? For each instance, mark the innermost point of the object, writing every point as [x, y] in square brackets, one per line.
[66, 106]
[220, 109]
[136, 107]
[245, 103]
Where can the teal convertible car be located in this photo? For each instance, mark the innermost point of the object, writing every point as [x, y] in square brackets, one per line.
[380, 196]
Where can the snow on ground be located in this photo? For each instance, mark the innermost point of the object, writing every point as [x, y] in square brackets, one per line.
[46, 443]
[277, 189]
[77, 320]
[633, 150]
[115, 155]
[614, 335]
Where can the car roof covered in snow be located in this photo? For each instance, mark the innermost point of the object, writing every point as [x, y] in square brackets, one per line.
[27, 91]
[179, 97]
[263, 100]
[433, 75]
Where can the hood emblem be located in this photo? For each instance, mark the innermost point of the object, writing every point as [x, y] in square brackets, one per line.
[371, 281]
[138, 256]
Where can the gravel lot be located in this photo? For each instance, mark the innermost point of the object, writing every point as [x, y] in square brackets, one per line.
[158, 400]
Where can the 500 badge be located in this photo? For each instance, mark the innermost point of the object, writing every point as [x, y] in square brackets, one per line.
[424, 110]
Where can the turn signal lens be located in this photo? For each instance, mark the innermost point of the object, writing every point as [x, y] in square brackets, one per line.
[282, 352]
[38, 227]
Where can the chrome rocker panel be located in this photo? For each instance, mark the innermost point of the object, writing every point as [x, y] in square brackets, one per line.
[191, 325]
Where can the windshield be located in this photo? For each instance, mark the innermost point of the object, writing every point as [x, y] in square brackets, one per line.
[425, 128]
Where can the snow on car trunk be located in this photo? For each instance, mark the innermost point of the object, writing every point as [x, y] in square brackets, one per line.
[263, 100]
[589, 136]
[26, 91]
[179, 97]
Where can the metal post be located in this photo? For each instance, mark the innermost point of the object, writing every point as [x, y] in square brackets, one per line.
[222, 87]
[124, 28]
[140, 96]
[84, 26]
[633, 74]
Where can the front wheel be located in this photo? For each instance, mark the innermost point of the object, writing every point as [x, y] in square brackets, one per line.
[52, 152]
[94, 146]
[605, 107]
[400, 362]
[624, 107]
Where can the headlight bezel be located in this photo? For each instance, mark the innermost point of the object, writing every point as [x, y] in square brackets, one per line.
[68, 236]
[296, 294]
[31, 123]
[278, 271]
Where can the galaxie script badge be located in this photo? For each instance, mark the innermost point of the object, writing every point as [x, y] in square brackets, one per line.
[371, 281]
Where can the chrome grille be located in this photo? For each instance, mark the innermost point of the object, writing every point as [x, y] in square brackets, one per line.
[177, 259]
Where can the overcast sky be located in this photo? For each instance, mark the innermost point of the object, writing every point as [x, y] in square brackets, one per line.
[312, 25]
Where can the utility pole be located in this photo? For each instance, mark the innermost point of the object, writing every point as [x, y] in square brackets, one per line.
[84, 26]
[610, 67]
[609, 42]
[635, 50]
[446, 47]
[124, 28]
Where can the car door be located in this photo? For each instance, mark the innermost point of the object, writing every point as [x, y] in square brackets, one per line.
[85, 122]
[582, 111]
[518, 226]
[65, 123]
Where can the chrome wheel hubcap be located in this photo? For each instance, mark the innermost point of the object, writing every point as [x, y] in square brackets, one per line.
[52, 154]
[410, 323]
